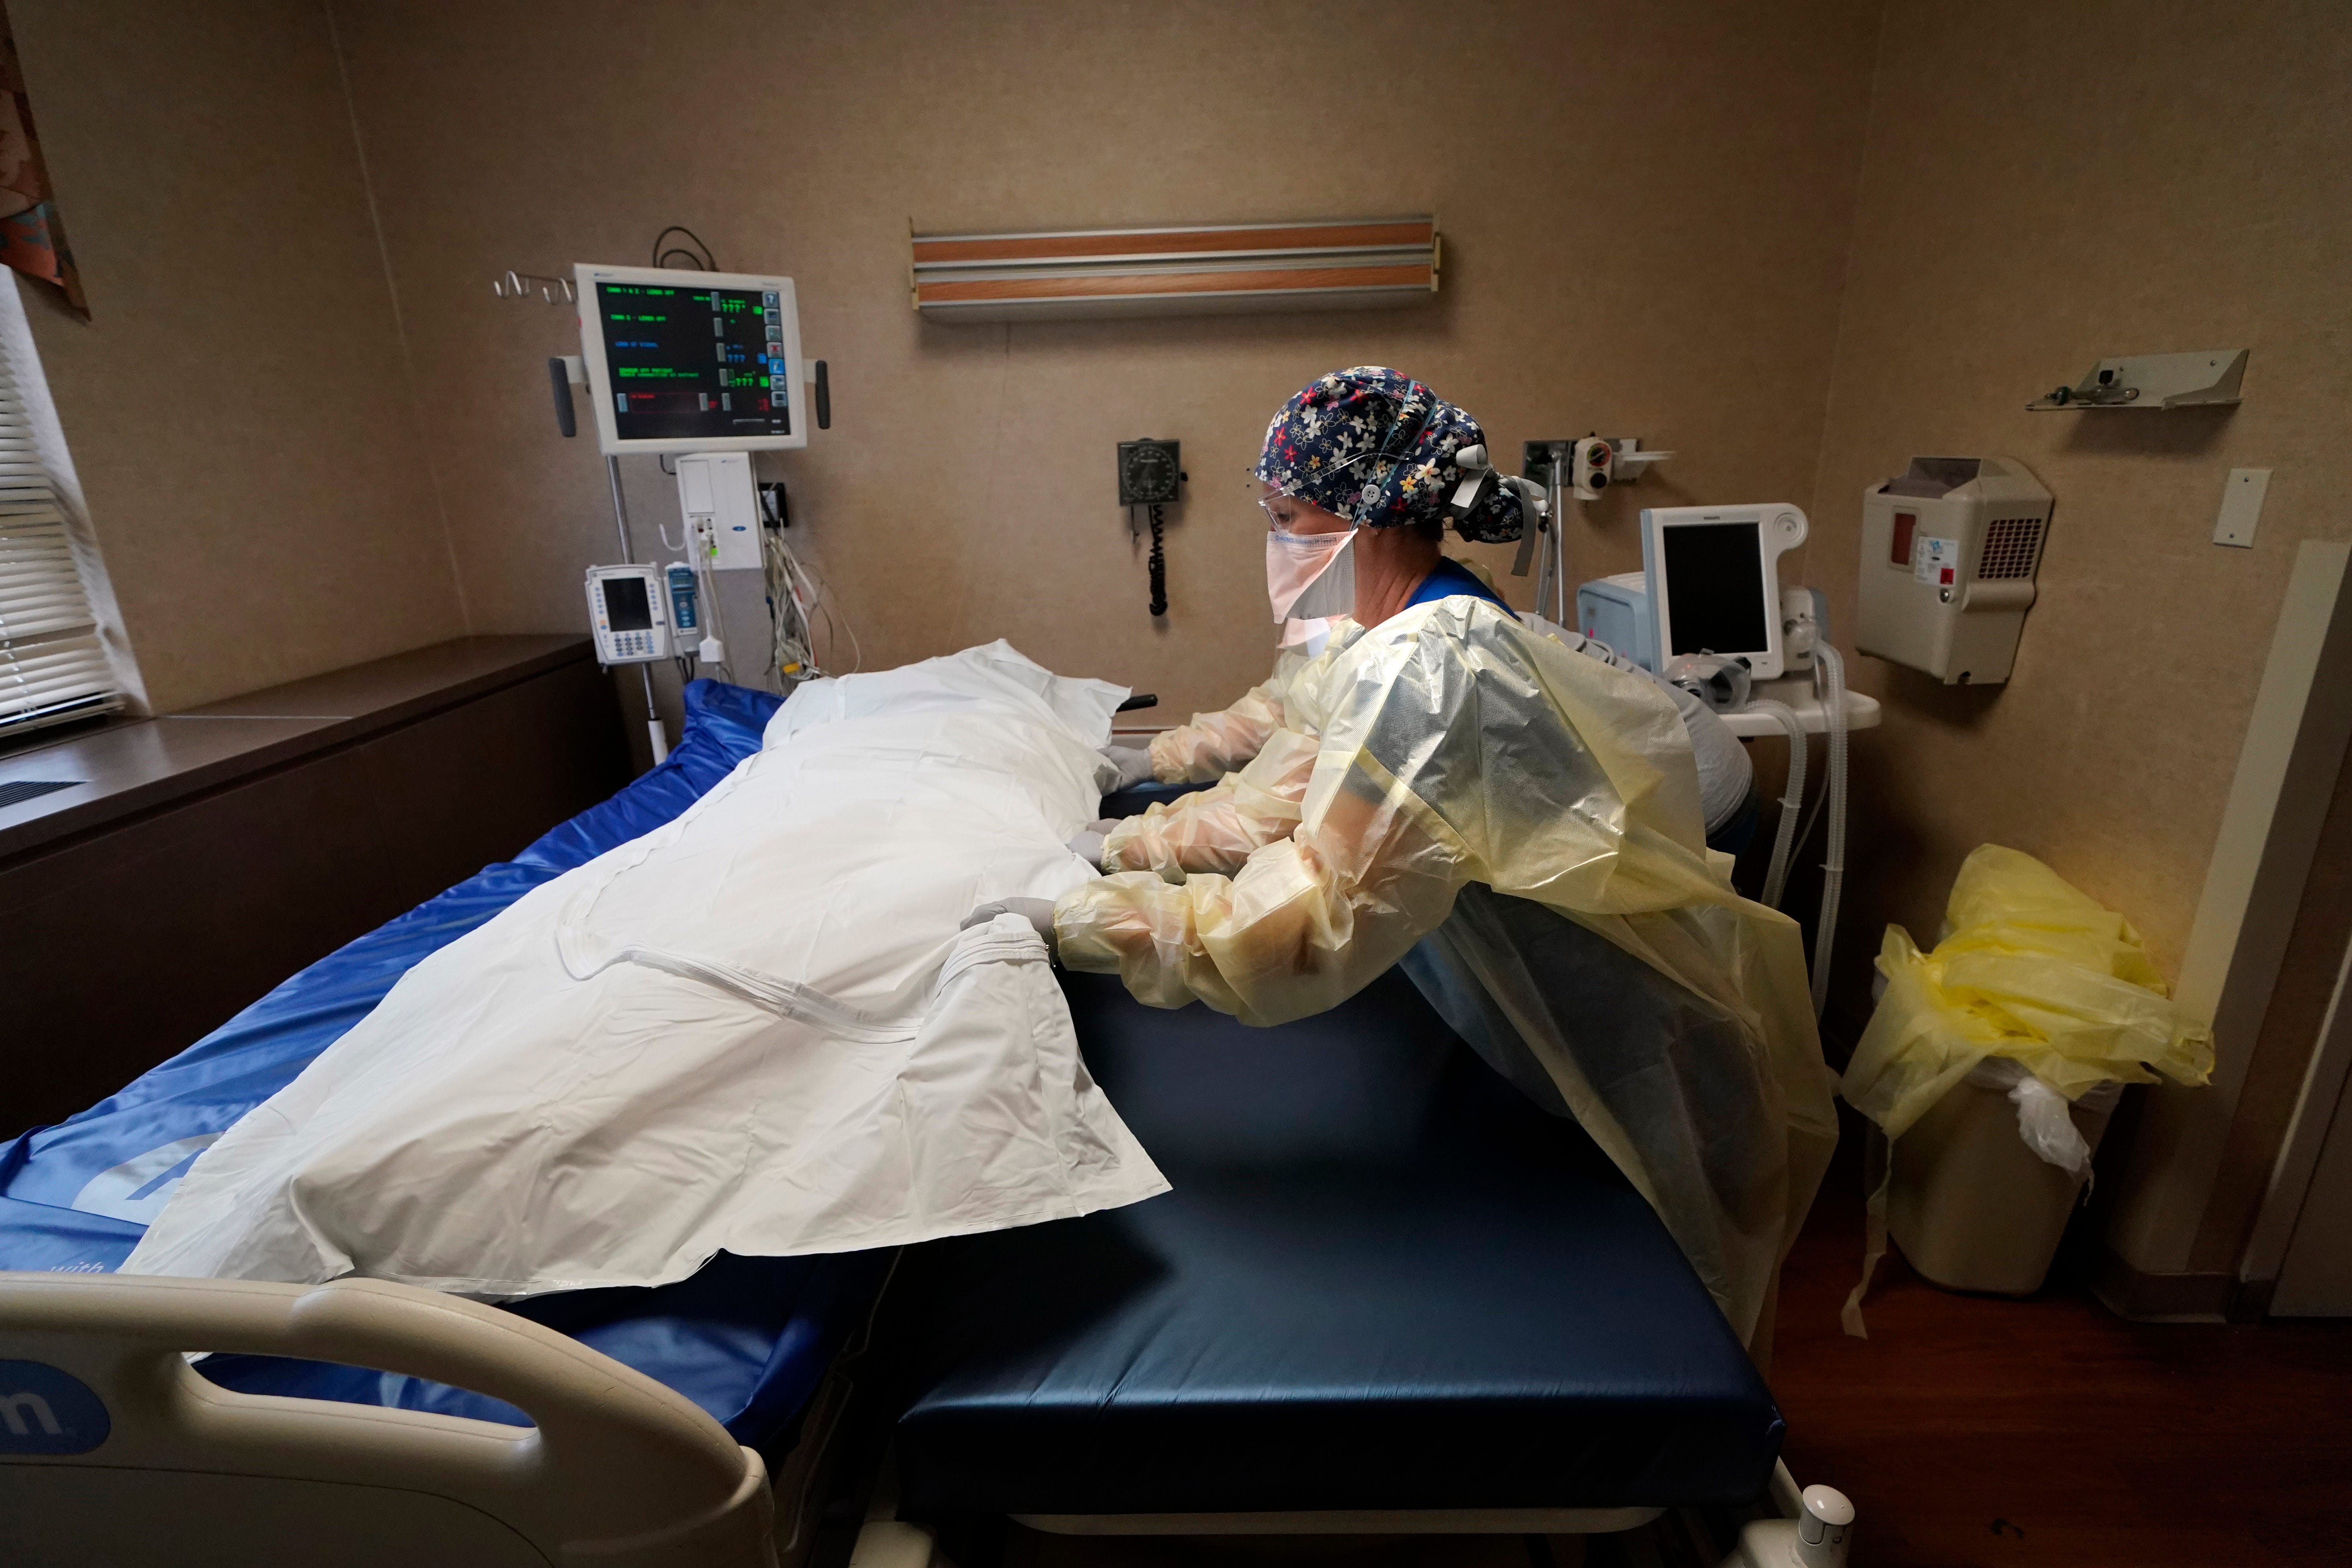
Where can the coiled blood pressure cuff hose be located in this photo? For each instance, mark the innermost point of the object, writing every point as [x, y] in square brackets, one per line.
[1159, 561]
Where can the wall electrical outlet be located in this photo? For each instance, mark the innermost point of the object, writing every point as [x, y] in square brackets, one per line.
[2242, 507]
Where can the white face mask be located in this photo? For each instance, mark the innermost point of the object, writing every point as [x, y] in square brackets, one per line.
[1310, 575]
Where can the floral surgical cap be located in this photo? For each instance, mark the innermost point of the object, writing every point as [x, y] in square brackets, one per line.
[1376, 447]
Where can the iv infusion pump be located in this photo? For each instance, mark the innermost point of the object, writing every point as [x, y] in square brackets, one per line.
[629, 607]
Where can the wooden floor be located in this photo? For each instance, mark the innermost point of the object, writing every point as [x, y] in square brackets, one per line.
[2048, 1431]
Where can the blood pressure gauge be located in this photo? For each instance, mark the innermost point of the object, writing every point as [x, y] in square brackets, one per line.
[1148, 472]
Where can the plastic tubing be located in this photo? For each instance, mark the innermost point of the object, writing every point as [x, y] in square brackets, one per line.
[706, 583]
[1791, 799]
[1828, 679]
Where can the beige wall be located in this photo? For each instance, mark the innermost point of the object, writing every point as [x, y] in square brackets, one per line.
[1652, 226]
[237, 406]
[2046, 186]
[1644, 216]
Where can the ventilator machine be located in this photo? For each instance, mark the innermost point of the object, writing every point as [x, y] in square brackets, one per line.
[1950, 550]
[1708, 612]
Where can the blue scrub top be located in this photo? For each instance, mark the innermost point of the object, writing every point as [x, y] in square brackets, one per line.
[1451, 577]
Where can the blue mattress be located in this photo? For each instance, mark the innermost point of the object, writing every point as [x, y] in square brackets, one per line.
[1383, 1279]
[746, 1339]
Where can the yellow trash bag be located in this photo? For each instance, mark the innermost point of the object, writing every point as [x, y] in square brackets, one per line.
[2029, 968]
[2032, 969]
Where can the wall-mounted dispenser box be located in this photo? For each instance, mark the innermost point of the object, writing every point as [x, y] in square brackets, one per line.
[1949, 550]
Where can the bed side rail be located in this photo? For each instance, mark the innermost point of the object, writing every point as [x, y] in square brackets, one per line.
[618, 1470]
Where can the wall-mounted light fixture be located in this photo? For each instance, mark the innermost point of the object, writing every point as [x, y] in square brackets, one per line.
[1351, 264]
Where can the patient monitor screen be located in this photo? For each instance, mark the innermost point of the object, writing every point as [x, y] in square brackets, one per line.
[626, 608]
[695, 361]
[1714, 586]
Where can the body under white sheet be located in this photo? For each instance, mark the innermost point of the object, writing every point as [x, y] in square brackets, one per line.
[757, 1030]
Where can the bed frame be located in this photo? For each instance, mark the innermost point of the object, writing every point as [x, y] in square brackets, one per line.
[886, 1541]
[113, 1450]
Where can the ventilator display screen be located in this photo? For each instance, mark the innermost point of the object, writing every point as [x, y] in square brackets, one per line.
[694, 362]
[626, 608]
[1715, 588]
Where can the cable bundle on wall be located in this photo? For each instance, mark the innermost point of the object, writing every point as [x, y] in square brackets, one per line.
[796, 599]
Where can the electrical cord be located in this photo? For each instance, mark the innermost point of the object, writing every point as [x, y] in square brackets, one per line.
[833, 631]
[703, 262]
[795, 599]
[789, 656]
[699, 552]
[1159, 561]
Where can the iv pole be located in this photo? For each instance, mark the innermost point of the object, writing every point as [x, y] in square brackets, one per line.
[1555, 482]
[621, 522]
[1551, 568]
[563, 373]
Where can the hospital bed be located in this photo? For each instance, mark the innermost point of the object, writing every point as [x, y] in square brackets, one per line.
[1386, 1294]
[720, 1370]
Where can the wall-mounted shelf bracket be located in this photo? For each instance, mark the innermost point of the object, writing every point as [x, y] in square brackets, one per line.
[2206, 379]
[1630, 461]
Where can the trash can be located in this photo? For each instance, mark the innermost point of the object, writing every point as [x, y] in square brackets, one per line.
[1969, 1202]
[1990, 1066]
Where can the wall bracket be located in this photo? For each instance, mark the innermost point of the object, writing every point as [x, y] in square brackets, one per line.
[2206, 379]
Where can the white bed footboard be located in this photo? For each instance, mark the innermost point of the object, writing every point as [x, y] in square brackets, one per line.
[113, 1450]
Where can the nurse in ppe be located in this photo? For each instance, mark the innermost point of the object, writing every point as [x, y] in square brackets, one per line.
[1522, 825]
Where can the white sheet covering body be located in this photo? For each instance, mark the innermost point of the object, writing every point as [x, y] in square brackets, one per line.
[757, 1029]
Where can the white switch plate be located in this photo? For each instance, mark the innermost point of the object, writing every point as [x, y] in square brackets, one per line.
[2242, 507]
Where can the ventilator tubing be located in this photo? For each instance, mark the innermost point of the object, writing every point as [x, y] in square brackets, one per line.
[1829, 678]
[1792, 797]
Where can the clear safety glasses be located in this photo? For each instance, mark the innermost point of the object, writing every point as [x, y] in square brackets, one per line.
[1282, 510]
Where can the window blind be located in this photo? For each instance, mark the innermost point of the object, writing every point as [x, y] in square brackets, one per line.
[52, 665]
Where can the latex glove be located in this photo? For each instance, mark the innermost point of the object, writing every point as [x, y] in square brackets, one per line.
[1123, 767]
[1086, 843]
[1038, 912]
